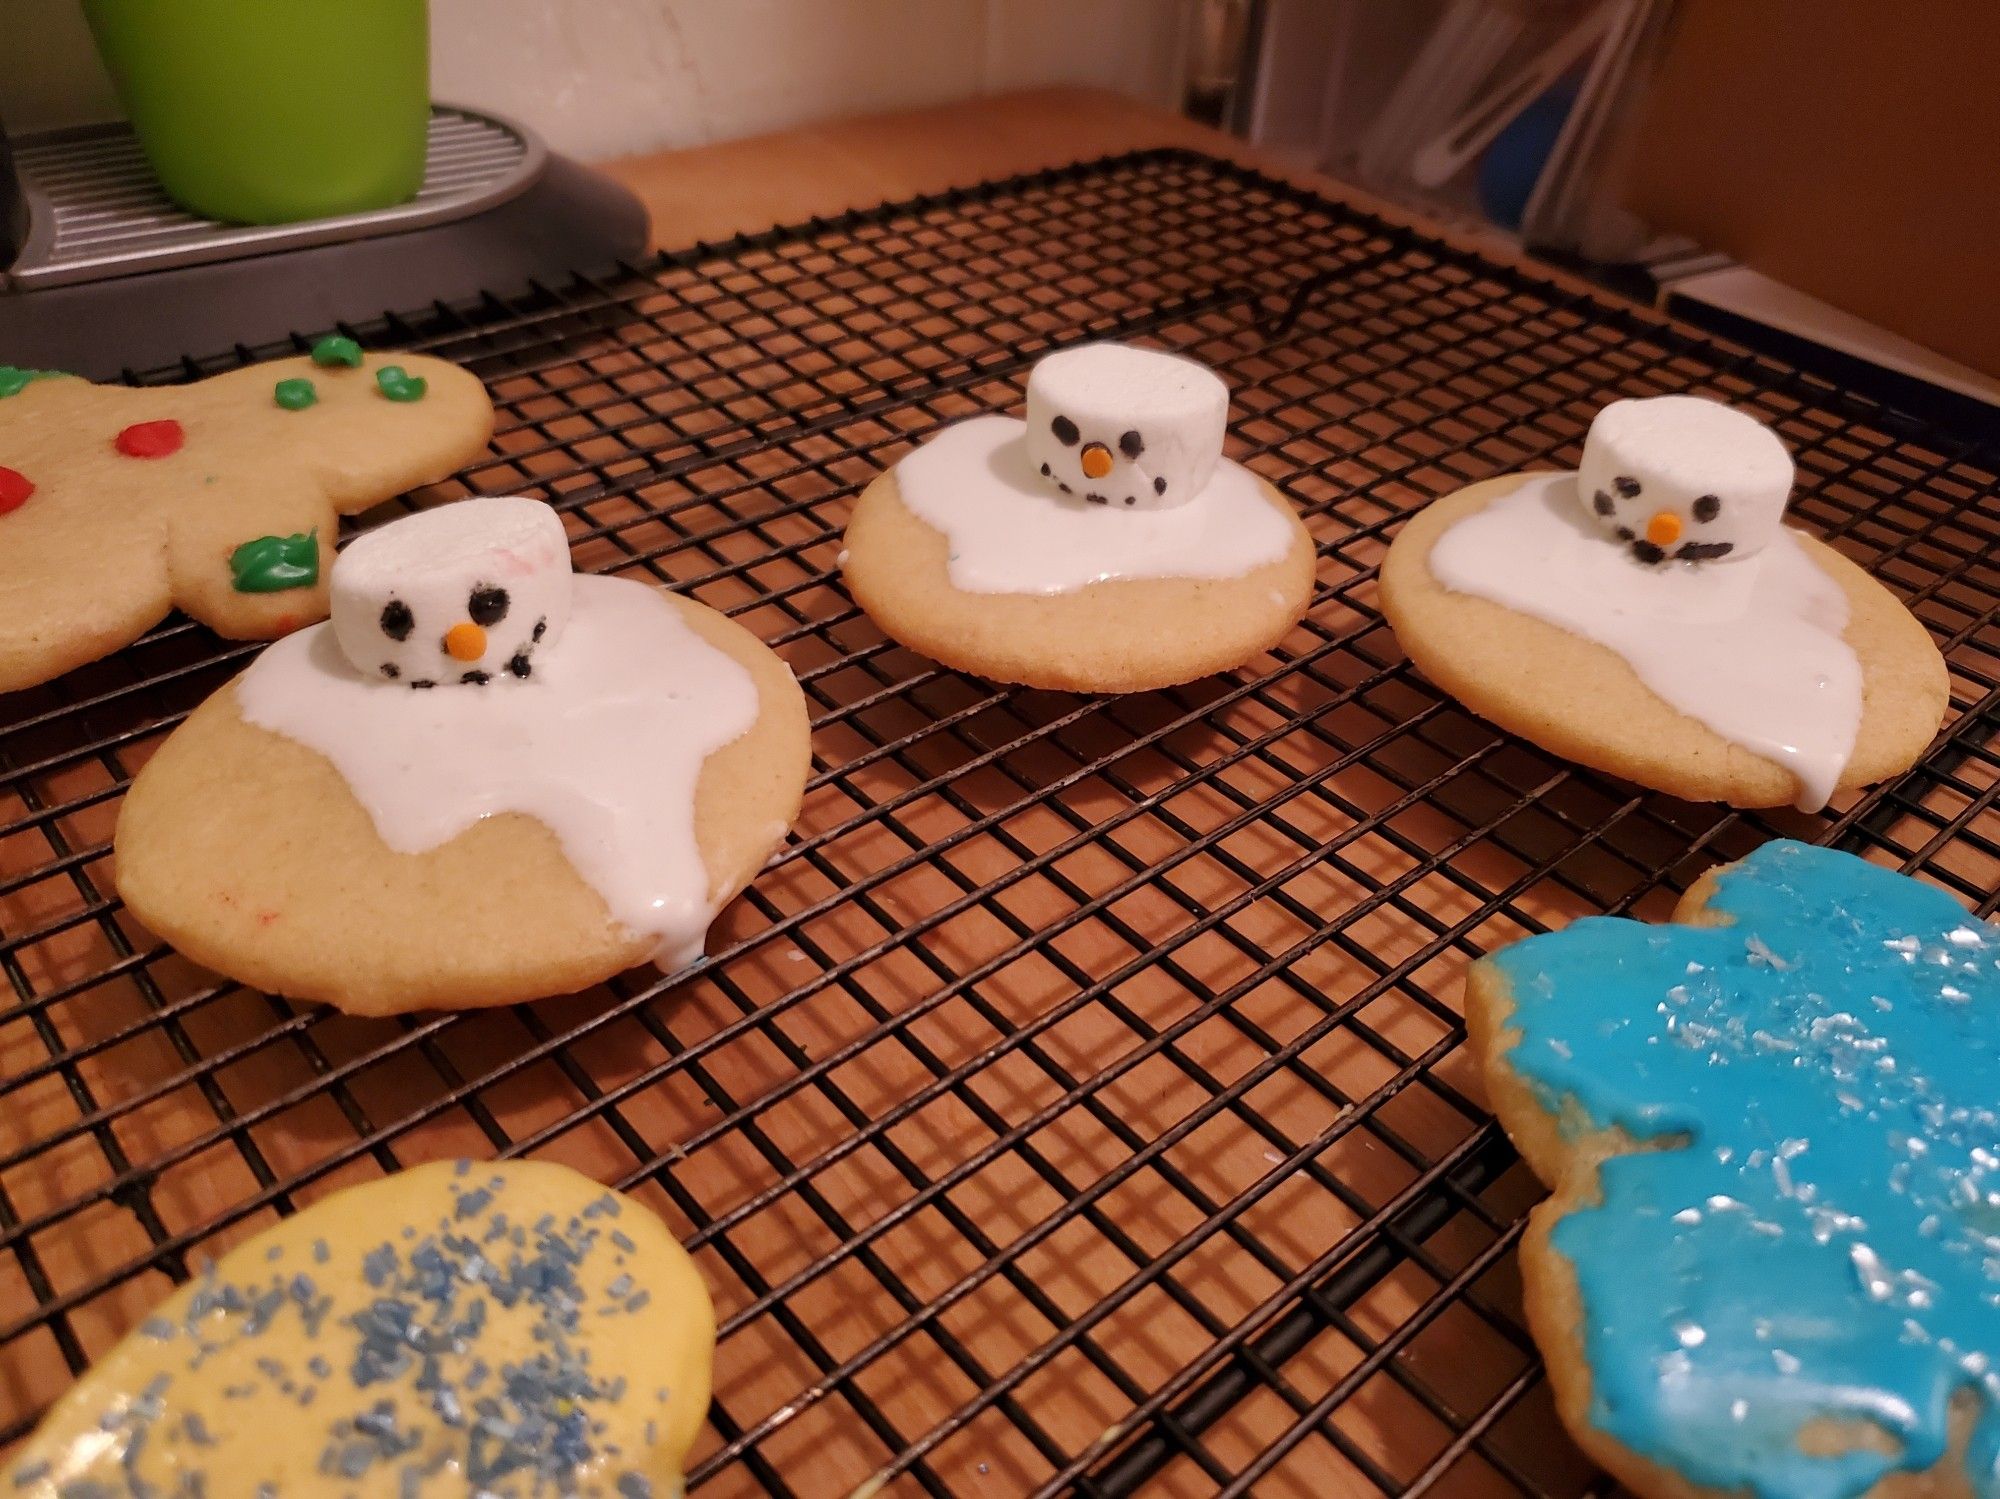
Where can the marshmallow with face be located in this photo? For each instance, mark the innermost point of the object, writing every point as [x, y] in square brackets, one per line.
[1125, 427]
[1682, 478]
[467, 594]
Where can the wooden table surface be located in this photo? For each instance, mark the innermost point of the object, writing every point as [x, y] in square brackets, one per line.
[735, 187]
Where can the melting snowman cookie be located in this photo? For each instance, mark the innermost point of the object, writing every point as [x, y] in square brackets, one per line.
[1650, 615]
[1103, 545]
[486, 779]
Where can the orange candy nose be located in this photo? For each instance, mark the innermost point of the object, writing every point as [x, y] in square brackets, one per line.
[1096, 461]
[1664, 529]
[465, 641]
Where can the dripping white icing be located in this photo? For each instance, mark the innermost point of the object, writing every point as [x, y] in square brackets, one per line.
[1008, 532]
[604, 747]
[1752, 647]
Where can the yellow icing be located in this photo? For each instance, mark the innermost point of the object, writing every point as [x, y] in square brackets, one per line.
[460, 1328]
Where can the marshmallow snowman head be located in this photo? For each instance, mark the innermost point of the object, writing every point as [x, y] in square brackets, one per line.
[1125, 427]
[467, 594]
[1682, 478]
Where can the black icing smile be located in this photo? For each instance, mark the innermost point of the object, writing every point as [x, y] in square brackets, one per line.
[1692, 551]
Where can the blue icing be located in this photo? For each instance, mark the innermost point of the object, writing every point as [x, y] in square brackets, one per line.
[1826, 1242]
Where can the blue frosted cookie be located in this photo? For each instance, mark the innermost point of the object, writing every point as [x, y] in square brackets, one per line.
[1771, 1260]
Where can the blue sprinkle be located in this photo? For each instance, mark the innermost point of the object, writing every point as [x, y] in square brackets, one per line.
[380, 1421]
[32, 1473]
[158, 1328]
[633, 1486]
[196, 1430]
[321, 1254]
[473, 1203]
[445, 1402]
[620, 1288]
[355, 1458]
[378, 1266]
[318, 1367]
[275, 1252]
[461, 1167]
[638, 1303]
[623, 1241]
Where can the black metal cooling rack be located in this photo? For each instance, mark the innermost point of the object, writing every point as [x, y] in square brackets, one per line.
[1076, 1103]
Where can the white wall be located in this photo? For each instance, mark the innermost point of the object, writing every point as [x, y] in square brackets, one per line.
[608, 77]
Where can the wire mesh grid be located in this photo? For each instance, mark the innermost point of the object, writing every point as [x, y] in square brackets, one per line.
[1077, 1102]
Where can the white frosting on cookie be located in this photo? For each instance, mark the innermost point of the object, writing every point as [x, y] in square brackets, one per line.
[1683, 477]
[468, 594]
[1126, 427]
[1007, 532]
[1753, 648]
[605, 748]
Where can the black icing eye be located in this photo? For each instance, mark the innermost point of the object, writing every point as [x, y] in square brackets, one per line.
[1065, 431]
[1131, 444]
[1601, 503]
[487, 606]
[1627, 487]
[397, 621]
[1707, 508]
[1159, 486]
[389, 670]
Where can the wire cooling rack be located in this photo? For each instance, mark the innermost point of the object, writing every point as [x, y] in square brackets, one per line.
[1077, 1102]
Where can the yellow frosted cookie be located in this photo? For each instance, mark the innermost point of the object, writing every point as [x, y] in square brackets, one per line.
[220, 497]
[1650, 616]
[1103, 545]
[485, 780]
[508, 1329]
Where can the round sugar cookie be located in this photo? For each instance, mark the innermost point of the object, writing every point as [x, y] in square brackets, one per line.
[1582, 700]
[505, 1328]
[1120, 635]
[1765, 1265]
[250, 853]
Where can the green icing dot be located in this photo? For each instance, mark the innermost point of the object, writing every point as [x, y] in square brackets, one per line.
[294, 395]
[14, 379]
[272, 564]
[399, 386]
[334, 349]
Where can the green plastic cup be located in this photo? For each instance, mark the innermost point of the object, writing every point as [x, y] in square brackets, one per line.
[271, 111]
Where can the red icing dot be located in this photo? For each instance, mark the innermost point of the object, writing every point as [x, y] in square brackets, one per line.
[150, 439]
[14, 490]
